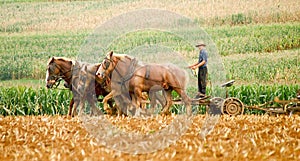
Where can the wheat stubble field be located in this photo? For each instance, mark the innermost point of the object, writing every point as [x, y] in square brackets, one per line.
[245, 137]
[259, 43]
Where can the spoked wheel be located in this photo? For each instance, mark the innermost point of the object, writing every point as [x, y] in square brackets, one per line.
[232, 106]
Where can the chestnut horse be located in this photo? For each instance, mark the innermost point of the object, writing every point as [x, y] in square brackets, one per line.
[131, 77]
[70, 71]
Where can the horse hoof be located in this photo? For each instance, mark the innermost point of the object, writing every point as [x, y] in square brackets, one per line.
[108, 111]
[96, 112]
[165, 112]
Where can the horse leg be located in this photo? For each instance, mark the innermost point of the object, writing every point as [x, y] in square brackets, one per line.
[125, 101]
[161, 100]
[156, 97]
[152, 96]
[75, 105]
[92, 102]
[81, 105]
[105, 100]
[112, 107]
[71, 107]
[168, 104]
[138, 99]
[144, 98]
[186, 100]
[123, 104]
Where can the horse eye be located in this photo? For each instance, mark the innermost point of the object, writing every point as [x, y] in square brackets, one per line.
[53, 77]
[106, 64]
[50, 69]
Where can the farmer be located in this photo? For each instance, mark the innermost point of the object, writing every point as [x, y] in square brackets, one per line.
[202, 70]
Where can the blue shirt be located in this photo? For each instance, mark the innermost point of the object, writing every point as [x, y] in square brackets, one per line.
[203, 56]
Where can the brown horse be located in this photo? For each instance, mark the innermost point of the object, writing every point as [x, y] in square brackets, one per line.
[131, 77]
[70, 71]
[123, 99]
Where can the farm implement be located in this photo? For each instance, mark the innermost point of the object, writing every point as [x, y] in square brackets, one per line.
[278, 106]
[234, 106]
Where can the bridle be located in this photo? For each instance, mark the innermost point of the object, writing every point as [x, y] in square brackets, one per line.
[60, 76]
[124, 78]
[105, 65]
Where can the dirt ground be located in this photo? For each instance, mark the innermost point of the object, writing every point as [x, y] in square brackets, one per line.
[246, 137]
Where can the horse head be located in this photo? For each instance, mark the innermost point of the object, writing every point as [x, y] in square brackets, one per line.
[58, 68]
[107, 66]
[121, 63]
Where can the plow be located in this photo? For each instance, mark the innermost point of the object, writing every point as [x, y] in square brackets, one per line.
[234, 106]
[278, 106]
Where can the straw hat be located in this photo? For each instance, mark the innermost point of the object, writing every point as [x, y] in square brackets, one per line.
[200, 44]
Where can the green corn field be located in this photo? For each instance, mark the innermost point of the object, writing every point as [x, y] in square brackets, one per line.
[42, 101]
[30, 53]
[30, 101]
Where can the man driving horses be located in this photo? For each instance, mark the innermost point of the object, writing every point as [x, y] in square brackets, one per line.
[202, 70]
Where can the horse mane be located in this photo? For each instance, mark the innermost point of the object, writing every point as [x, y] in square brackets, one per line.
[62, 59]
[122, 56]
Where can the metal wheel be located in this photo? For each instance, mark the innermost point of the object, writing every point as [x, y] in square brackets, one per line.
[232, 106]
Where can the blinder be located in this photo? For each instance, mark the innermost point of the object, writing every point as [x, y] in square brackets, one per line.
[106, 63]
[51, 70]
[56, 77]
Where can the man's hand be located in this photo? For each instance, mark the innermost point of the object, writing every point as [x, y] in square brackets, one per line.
[194, 67]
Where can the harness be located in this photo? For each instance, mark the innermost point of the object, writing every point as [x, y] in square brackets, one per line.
[128, 76]
[131, 72]
[79, 80]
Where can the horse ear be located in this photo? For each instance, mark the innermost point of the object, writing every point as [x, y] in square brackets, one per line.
[51, 60]
[110, 53]
[71, 62]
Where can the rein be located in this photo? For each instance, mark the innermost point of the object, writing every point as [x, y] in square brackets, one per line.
[57, 83]
[62, 74]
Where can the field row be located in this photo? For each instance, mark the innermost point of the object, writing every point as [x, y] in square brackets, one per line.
[29, 101]
[279, 67]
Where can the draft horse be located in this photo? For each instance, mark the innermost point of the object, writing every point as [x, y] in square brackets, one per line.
[130, 76]
[70, 71]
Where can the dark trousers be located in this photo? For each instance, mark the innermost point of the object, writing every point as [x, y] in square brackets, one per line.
[202, 77]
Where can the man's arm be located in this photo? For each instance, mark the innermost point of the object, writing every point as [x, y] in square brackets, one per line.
[201, 63]
[193, 65]
[203, 58]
